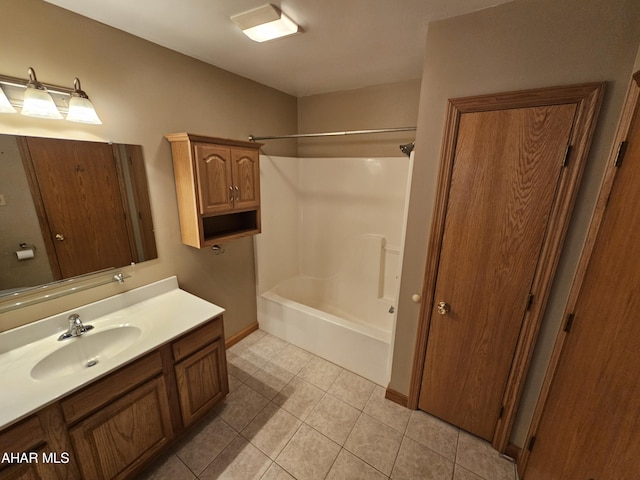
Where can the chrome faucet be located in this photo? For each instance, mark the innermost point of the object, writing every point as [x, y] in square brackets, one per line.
[76, 327]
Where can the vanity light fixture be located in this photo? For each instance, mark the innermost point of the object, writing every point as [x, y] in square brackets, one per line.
[265, 23]
[36, 99]
[5, 105]
[80, 107]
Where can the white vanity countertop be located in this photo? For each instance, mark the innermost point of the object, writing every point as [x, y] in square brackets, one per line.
[160, 310]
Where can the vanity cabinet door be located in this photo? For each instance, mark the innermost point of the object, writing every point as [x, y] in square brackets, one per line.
[117, 440]
[202, 382]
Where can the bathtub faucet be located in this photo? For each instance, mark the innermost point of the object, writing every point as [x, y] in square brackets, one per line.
[76, 327]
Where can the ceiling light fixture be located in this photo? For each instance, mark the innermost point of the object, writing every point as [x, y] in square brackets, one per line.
[36, 99]
[265, 23]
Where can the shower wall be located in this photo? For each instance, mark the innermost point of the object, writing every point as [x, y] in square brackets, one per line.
[276, 248]
[318, 215]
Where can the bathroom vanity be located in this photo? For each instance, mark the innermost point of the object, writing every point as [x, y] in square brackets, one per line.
[103, 409]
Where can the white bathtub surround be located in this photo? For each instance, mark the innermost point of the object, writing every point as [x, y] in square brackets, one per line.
[160, 311]
[328, 259]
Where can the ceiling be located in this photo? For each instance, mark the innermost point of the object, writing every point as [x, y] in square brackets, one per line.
[346, 44]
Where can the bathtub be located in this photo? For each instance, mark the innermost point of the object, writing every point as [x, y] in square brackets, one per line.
[312, 314]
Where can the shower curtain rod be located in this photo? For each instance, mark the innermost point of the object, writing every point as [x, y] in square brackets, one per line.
[333, 134]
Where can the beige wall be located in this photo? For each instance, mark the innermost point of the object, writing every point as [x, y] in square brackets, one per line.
[520, 45]
[380, 106]
[141, 92]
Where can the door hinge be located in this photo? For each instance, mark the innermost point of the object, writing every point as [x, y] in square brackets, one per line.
[567, 152]
[529, 301]
[622, 149]
[532, 442]
[501, 412]
[567, 325]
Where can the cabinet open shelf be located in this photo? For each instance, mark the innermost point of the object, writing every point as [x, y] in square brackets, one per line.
[226, 227]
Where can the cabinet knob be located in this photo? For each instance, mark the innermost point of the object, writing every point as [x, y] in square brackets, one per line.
[59, 237]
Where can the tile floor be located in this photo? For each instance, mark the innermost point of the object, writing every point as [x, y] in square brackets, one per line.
[292, 415]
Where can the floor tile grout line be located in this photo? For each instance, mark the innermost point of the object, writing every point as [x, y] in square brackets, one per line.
[333, 463]
[397, 453]
[172, 452]
[284, 448]
[395, 460]
[237, 434]
[372, 466]
[323, 434]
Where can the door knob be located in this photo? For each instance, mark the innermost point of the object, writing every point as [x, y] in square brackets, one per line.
[59, 237]
[443, 308]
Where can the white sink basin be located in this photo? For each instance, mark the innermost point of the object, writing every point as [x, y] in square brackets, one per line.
[85, 351]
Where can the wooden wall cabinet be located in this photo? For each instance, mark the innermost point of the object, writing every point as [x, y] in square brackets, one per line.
[114, 427]
[217, 186]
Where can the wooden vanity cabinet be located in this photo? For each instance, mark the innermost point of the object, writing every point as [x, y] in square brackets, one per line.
[217, 187]
[114, 427]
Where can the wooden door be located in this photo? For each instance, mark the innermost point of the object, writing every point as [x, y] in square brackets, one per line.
[506, 171]
[246, 178]
[82, 199]
[215, 186]
[591, 419]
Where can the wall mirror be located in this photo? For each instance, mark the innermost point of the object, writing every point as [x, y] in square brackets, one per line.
[69, 208]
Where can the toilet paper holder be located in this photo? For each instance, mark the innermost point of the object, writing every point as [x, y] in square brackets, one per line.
[26, 252]
[28, 246]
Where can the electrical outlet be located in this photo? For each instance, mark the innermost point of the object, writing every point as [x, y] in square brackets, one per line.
[2, 200]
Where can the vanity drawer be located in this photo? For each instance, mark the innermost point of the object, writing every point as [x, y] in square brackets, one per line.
[103, 391]
[197, 339]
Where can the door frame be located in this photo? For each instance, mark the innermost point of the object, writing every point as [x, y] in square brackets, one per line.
[631, 103]
[588, 98]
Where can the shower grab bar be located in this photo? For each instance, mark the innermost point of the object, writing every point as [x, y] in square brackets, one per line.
[253, 138]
